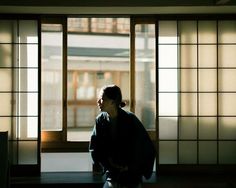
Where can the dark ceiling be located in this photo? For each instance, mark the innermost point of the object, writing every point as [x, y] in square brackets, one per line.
[102, 3]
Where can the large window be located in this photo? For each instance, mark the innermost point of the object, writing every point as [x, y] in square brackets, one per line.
[98, 54]
[79, 56]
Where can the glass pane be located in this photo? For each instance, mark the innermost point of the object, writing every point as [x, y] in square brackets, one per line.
[227, 152]
[207, 56]
[85, 89]
[207, 152]
[6, 56]
[51, 77]
[6, 104]
[94, 61]
[187, 152]
[145, 76]
[168, 80]
[6, 80]
[227, 55]
[71, 111]
[78, 25]
[167, 32]
[51, 118]
[168, 104]
[207, 80]
[227, 128]
[167, 152]
[6, 31]
[188, 104]
[188, 128]
[123, 25]
[227, 103]
[207, 128]
[207, 104]
[104, 78]
[124, 85]
[227, 80]
[71, 81]
[28, 152]
[82, 128]
[207, 32]
[103, 25]
[227, 31]
[188, 55]
[188, 31]
[168, 128]
[188, 79]
[28, 31]
[85, 116]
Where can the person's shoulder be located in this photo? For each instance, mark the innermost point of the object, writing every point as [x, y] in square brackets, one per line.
[101, 116]
[128, 114]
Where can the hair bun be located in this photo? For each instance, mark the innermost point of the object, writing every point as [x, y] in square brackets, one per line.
[122, 104]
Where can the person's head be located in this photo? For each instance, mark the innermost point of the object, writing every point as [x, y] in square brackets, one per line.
[110, 97]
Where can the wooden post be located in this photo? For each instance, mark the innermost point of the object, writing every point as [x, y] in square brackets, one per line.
[4, 175]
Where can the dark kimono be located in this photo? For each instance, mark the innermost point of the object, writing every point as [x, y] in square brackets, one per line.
[130, 146]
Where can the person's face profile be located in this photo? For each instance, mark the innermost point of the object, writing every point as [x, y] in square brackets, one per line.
[104, 103]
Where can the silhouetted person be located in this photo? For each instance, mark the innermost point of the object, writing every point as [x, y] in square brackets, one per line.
[120, 144]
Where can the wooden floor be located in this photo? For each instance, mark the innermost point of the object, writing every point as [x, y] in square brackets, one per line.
[87, 180]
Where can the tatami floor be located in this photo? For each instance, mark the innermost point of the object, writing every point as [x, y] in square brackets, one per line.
[87, 180]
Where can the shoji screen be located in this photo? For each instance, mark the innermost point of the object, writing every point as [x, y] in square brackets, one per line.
[227, 91]
[19, 89]
[197, 92]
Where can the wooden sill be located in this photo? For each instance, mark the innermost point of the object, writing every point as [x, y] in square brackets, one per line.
[64, 146]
